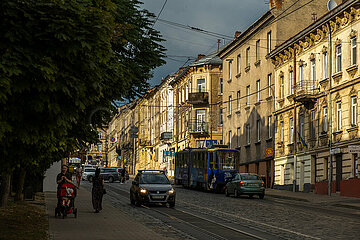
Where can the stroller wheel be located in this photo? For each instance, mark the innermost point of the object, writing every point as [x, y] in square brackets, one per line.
[56, 212]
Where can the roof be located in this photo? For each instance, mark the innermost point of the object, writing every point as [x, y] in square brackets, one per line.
[212, 58]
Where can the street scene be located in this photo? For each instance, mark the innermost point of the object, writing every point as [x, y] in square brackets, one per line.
[186, 119]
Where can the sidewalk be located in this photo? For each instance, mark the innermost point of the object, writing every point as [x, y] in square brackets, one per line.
[334, 199]
[110, 223]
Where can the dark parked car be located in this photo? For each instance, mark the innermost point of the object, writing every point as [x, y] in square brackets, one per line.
[152, 186]
[247, 184]
[110, 174]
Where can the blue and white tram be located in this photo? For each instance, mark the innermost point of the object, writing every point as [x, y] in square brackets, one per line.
[206, 168]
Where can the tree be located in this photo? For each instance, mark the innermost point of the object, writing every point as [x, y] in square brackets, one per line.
[60, 61]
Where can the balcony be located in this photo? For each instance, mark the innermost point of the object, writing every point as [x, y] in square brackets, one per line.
[306, 91]
[200, 128]
[166, 136]
[199, 98]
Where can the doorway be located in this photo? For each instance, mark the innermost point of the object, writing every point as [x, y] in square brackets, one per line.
[338, 159]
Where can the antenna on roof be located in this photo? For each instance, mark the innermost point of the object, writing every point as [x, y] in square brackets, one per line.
[331, 5]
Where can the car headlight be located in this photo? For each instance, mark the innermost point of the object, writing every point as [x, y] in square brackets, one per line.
[143, 191]
[171, 191]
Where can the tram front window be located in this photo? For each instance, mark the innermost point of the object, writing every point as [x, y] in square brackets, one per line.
[227, 159]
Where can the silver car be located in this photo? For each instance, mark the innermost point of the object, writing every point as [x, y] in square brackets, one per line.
[152, 186]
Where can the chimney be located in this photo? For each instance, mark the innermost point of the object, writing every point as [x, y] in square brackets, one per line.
[200, 56]
[275, 3]
[237, 34]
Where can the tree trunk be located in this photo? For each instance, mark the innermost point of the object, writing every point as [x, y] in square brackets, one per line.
[19, 196]
[4, 188]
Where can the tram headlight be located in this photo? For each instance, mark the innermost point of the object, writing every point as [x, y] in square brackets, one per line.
[171, 191]
[143, 191]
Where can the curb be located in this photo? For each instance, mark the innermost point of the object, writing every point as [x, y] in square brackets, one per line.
[286, 197]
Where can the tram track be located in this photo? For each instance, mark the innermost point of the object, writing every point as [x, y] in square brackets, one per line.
[195, 225]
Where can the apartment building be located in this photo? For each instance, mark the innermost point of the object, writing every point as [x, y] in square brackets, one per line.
[316, 107]
[248, 88]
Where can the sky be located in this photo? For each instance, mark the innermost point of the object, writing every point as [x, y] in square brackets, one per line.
[223, 17]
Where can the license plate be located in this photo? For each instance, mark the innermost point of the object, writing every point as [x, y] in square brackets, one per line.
[157, 197]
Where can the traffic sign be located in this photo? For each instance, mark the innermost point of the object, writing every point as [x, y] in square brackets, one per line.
[269, 152]
[112, 139]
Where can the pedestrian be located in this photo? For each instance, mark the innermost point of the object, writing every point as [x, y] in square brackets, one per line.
[123, 178]
[97, 191]
[78, 175]
[63, 177]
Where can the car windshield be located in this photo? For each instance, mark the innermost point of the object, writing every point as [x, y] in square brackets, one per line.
[89, 169]
[250, 177]
[154, 179]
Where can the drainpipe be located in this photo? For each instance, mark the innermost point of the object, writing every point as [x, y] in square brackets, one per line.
[330, 110]
[294, 123]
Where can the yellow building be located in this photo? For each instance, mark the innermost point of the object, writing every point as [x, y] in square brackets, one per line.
[317, 90]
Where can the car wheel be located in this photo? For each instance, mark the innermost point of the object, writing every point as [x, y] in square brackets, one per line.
[261, 196]
[227, 192]
[111, 179]
[90, 178]
[236, 193]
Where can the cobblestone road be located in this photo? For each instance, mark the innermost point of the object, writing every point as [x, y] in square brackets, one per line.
[285, 219]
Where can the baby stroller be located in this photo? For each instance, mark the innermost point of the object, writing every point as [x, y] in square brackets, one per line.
[66, 203]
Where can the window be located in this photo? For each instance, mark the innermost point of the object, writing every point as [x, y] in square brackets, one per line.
[248, 57]
[269, 127]
[100, 135]
[238, 136]
[291, 82]
[325, 65]
[338, 116]
[312, 75]
[281, 87]
[353, 51]
[258, 130]
[187, 92]
[248, 95]
[200, 119]
[201, 85]
[238, 100]
[221, 86]
[258, 90]
[312, 124]
[325, 119]
[238, 63]
[230, 139]
[99, 147]
[220, 116]
[258, 50]
[282, 131]
[230, 100]
[338, 58]
[301, 126]
[269, 42]
[270, 84]
[353, 111]
[301, 76]
[248, 134]
[291, 130]
[230, 70]
[356, 161]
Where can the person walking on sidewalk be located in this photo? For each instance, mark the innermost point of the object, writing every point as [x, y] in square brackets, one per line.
[123, 178]
[97, 191]
[78, 175]
[63, 177]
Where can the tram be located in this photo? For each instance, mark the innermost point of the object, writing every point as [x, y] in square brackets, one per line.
[207, 169]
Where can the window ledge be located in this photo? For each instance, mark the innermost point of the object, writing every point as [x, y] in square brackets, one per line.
[238, 75]
[229, 115]
[281, 100]
[257, 63]
[247, 146]
[337, 132]
[247, 108]
[269, 139]
[238, 111]
[290, 144]
[229, 80]
[247, 69]
[291, 96]
[337, 76]
[258, 142]
[352, 69]
[238, 148]
[269, 98]
[352, 128]
[257, 103]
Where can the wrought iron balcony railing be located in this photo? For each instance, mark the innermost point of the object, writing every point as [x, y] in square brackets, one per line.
[306, 91]
[199, 98]
[198, 127]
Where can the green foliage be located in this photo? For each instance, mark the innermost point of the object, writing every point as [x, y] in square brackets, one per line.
[59, 61]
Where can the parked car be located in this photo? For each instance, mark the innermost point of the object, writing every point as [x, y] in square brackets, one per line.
[88, 173]
[152, 186]
[110, 174]
[245, 184]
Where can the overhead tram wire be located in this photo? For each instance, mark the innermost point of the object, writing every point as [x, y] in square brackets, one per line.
[162, 8]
